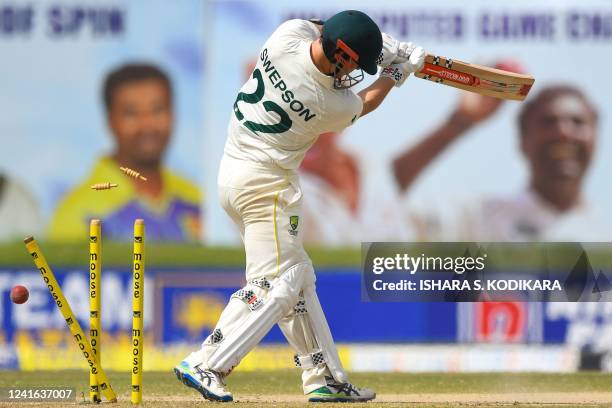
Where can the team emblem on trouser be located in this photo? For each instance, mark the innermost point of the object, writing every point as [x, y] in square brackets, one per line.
[293, 222]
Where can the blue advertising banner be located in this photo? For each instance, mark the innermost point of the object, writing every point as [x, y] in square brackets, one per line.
[183, 306]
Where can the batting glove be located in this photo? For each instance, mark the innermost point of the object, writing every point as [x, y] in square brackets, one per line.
[394, 51]
[400, 72]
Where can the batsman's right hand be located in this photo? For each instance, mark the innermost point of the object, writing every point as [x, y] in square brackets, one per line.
[399, 72]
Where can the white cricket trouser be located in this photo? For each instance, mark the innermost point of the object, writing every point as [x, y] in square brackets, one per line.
[265, 205]
[261, 201]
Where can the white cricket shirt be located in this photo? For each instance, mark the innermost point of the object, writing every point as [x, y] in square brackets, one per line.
[287, 103]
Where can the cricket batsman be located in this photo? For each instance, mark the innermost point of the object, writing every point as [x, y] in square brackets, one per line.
[299, 89]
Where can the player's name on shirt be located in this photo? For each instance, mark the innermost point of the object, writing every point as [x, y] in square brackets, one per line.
[276, 79]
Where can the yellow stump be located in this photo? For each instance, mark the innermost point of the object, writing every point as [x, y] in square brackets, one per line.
[138, 310]
[95, 329]
[76, 330]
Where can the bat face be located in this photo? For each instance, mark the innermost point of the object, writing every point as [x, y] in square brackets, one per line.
[476, 78]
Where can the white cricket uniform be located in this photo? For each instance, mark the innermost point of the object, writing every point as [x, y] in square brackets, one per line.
[279, 113]
[295, 103]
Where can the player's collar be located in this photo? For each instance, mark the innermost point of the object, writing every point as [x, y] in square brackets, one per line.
[325, 80]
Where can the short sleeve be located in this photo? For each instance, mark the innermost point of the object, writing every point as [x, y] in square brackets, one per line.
[302, 30]
[348, 110]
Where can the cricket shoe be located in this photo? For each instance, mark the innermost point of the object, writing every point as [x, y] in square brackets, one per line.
[335, 391]
[207, 382]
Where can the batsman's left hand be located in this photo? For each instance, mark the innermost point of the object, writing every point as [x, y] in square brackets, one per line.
[394, 51]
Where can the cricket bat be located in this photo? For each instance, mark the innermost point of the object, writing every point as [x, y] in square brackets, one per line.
[476, 78]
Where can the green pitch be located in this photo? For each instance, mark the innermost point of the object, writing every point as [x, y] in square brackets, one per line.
[282, 389]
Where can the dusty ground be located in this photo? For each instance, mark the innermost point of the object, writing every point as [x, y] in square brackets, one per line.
[282, 389]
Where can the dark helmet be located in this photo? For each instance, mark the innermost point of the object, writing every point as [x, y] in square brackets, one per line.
[357, 31]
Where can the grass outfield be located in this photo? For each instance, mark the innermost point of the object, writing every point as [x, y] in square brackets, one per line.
[116, 254]
[282, 389]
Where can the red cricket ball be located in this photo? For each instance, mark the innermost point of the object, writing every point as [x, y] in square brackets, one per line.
[19, 294]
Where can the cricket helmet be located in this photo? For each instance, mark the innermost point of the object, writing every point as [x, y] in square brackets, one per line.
[357, 37]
